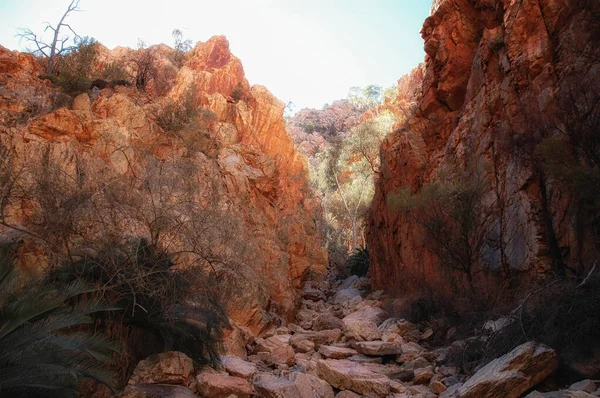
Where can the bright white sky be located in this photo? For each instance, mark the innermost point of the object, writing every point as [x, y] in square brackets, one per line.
[309, 52]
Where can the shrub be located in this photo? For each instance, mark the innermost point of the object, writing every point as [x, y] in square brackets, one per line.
[560, 313]
[75, 67]
[238, 93]
[453, 220]
[358, 262]
[113, 71]
[61, 100]
[174, 116]
[43, 350]
[144, 60]
[161, 307]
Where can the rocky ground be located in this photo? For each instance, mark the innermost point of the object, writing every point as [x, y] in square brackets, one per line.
[344, 345]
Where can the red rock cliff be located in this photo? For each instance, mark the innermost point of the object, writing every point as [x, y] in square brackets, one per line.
[501, 76]
[234, 182]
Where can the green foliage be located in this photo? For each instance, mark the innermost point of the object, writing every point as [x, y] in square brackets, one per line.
[181, 46]
[452, 217]
[156, 310]
[361, 149]
[75, 67]
[358, 262]
[114, 72]
[365, 97]
[390, 94]
[43, 350]
[343, 174]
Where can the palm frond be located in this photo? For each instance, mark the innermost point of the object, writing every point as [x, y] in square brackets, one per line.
[43, 350]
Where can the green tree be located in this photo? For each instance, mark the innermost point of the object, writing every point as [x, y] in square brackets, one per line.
[343, 174]
[181, 46]
[365, 97]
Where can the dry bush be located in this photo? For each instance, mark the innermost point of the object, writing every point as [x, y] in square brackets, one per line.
[560, 313]
[156, 242]
[238, 93]
[176, 115]
[164, 79]
[144, 61]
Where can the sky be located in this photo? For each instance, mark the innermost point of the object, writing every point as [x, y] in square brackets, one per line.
[309, 52]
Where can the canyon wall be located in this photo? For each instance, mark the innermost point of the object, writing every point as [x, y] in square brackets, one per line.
[502, 77]
[227, 191]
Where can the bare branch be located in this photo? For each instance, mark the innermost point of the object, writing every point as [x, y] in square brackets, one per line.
[588, 275]
[28, 35]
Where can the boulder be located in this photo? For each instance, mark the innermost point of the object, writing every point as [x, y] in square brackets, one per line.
[348, 282]
[437, 386]
[171, 367]
[305, 315]
[217, 385]
[561, 394]
[362, 325]
[410, 351]
[295, 385]
[347, 394]
[345, 295]
[157, 391]
[317, 337]
[348, 375]
[423, 392]
[583, 385]
[390, 370]
[360, 358]
[327, 322]
[417, 363]
[378, 348]
[423, 375]
[334, 352]
[238, 367]
[304, 346]
[310, 293]
[279, 352]
[512, 374]
[235, 341]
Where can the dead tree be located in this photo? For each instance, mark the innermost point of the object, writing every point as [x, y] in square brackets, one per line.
[57, 46]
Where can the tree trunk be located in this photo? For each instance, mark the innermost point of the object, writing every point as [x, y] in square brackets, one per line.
[354, 238]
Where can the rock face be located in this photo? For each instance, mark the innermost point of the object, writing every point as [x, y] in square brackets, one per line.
[236, 167]
[500, 78]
